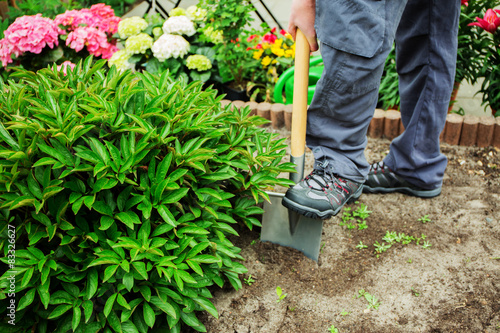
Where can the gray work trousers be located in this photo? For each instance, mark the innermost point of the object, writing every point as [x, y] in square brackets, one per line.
[356, 36]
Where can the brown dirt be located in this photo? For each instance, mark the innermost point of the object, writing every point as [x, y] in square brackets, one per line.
[453, 286]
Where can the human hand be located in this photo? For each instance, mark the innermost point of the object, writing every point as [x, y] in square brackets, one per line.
[302, 17]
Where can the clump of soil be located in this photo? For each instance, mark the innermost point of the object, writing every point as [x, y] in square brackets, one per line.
[447, 282]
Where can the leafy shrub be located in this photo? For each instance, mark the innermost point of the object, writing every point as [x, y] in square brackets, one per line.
[123, 189]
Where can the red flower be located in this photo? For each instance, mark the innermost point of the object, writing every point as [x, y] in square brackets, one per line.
[465, 2]
[258, 46]
[490, 22]
[273, 30]
[283, 32]
[269, 38]
[252, 37]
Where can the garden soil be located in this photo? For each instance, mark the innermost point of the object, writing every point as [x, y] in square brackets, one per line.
[453, 285]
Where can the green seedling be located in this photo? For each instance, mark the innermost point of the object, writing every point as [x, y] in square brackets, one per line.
[414, 292]
[345, 313]
[372, 300]
[426, 245]
[322, 246]
[362, 212]
[333, 329]
[379, 248]
[249, 280]
[281, 295]
[253, 242]
[424, 219]
[362, 225]
[361, 245]
[409, 261]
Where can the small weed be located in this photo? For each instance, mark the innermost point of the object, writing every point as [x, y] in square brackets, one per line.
[426, 245]
[372, 300]
[333, 329]
[351, 225]
[249, 280]
[362, 225]
[379, 248]
[424, 219]
[361, 245]
[280, 294]
[414, 292]
[409, 261]
[253, 242]
[359, 215]
[362, 212]
[322, 246]
[291, 309]
[345, 313]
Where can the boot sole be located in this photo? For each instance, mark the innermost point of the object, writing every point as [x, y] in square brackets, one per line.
[317, 214]
[426, 194]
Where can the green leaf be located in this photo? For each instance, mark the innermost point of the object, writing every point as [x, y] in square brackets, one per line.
[128, 218]
[106, 222]
[27, 299]
[92, 282]
[27, 277]
[140, 267]
[122, 301]
[88, 308]
[149, 314]
[163, 306]
[114, 322]
[8, 138]
[109, 272]
[102, 208]
[109, 304]
[207, 305]
[128, 281]
[43, 293]
[166, 215]
[77, 315]
[59, 311]
[175, 196]
[191, 320]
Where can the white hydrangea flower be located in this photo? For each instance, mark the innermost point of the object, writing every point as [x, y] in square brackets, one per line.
[196, 13]
[120, 60]
[180, 25]
[170, 46]
[139, 43]
[131, 26]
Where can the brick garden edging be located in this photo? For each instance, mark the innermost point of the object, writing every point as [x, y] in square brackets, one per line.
[459, 130]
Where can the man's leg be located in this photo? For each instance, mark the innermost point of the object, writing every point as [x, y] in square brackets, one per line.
[426, 50]
[356, 37]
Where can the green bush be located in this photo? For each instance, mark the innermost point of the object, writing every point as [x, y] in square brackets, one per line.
[122, 189]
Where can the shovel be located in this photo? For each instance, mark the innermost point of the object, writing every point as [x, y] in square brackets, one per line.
[279, 224]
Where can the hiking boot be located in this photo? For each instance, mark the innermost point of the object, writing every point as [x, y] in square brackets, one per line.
[381, 179]
[321, 194]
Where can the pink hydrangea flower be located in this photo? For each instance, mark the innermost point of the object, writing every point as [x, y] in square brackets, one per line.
[109, 24]
[32, 34]
[72, 19]
[94, 39]
[98, 16]
[102, 10]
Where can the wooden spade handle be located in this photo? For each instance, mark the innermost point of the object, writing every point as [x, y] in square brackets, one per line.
[300, 85]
